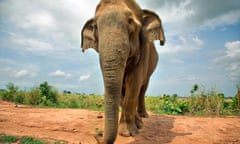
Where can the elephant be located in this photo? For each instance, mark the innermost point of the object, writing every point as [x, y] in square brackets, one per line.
[123, 35]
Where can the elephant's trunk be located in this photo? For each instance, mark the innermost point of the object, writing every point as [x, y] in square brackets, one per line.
[113, 58]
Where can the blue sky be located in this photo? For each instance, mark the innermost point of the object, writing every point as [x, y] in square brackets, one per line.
[40, 41]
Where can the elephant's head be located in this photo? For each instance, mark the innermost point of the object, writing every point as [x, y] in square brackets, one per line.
[115, 33]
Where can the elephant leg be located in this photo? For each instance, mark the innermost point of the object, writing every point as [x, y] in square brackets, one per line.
[141, 102]
[128, 125]
[138, 121]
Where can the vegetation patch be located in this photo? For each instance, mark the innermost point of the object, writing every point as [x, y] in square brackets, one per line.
[7, 139]
[30, 140]
[21, 140]
[199, 102]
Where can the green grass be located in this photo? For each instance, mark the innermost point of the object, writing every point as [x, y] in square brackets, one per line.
[91, 102]
[30, 140]
[199, 102]
[22, 140]
[8, 139]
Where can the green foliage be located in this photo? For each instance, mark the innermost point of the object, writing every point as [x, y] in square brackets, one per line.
[171, 105]
[12, 88]
[48, 94]
[194, 88]
[11, 92]
[167, 104]
[43, 95]
[33, 97]
[199, 102]
[30, 140]
[25, 140]
[19, 97]
[234, 102]
[8, 139]
[154, 104]
[81, 101]
[210, 103]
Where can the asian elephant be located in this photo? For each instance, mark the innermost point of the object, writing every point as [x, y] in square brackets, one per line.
[123, 34]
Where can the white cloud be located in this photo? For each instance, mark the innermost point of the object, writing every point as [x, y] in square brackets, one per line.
[225, 19]
[31, 45]
[198, 41]
[11, 69]
[42, 21]
[189, 16]
[185, 44]
[186, 78]
[15, 69]
[176, 12]
[233, 49]
[84, 77]
[24, 73]
[41, 25]
[59, 73]
[229, 60]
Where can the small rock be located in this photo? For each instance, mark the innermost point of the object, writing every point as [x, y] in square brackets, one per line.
[74, 130]
[99, 116]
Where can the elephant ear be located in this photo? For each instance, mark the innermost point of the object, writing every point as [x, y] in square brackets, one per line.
[152, 27]
[89, 35]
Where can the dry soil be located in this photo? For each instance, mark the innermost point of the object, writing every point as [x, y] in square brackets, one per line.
[84, 127]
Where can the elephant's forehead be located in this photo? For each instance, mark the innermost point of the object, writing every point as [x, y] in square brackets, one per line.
[112, 8]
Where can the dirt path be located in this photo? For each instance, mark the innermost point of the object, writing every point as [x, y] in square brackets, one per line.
[78, 126]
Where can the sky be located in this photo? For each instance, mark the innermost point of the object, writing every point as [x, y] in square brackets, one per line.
[40, 41]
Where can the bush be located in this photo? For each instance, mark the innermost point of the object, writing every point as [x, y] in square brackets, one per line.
[235, 102]
[199, 103]
[33, 97]
[20, 96]
[44, 95]
[174, 105]
[167, 104]
[208, 104]
[11, 92]
[48, 94]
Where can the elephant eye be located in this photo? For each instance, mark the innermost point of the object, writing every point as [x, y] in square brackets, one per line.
[130, 20]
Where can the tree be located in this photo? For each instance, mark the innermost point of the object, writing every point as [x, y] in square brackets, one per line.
[194, 88]
[10, 94]
[12, 88]
[48, 93]
[66, 92]
[44, 88]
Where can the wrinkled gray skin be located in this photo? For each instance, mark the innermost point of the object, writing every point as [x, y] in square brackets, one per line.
[123, 34]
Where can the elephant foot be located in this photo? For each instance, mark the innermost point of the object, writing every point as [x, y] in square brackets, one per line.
[127, 129]
[139, 122]
[143, 114]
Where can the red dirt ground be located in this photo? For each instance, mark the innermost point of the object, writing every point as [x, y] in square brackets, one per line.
[79, 127]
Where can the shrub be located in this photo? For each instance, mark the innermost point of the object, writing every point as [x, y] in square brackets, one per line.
[48, 94]
[11, 92]
[208, 104]
[235, 102]
[173, 105]
[33, 97]
[167, 104]
[154, 104]
[20, 96]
